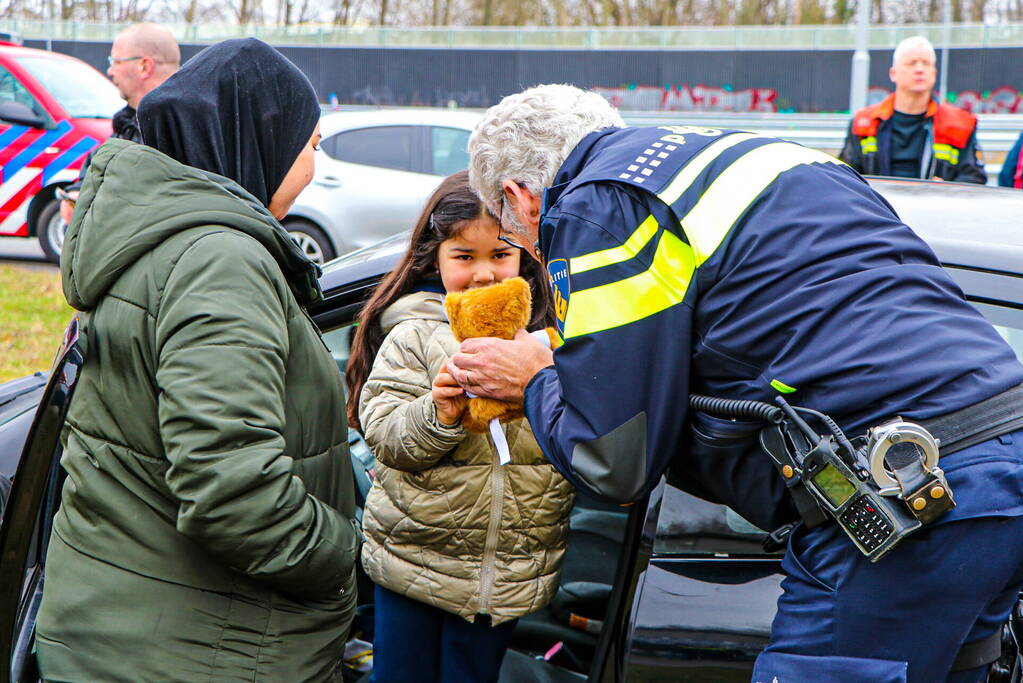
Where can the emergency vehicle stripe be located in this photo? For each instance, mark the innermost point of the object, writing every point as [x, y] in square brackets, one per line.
[731, 193]
[35, 149]
[15, 219]
[69, 157]
[660, 287]
[606, 257]
[11, 187]
[12, 134]
[687, 176]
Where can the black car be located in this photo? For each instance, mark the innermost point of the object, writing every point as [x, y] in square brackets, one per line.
[671, 588]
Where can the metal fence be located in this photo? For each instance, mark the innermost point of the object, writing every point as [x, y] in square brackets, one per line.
[995, 132]
[840, 37]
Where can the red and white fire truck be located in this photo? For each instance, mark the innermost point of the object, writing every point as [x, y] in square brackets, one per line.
[53, 110]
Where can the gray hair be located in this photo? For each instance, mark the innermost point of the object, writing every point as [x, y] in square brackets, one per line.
[911, 43]
[527, 136]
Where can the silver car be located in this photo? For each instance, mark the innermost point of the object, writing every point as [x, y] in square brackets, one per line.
[374, 172]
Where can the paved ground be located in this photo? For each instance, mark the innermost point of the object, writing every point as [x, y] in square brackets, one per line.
[23, 251]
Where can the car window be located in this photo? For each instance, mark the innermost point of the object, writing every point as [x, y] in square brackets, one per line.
[339, 342]
[385, 146]
[81, 91]
[688, 525]
[450, 152]
[1008, 322]
[11, 90]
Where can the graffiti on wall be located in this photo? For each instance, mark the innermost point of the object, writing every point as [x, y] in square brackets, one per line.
[687, 97]
[1003, 100]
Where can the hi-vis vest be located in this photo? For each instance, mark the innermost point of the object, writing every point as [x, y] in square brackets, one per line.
[688, 259]
[952, 128]
[685, 244]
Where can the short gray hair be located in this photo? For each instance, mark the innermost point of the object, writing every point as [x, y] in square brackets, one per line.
[527, 136]
[913, 42]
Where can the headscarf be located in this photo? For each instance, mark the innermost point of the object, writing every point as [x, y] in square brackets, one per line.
[239, 109]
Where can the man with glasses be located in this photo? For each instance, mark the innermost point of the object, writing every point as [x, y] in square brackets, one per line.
[142, 57]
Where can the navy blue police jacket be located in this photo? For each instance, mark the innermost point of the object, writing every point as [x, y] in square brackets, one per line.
[686, 259]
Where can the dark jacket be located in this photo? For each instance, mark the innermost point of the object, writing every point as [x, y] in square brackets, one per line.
[950, 152]
[209, 497]
[1011, 174]
[724, 263]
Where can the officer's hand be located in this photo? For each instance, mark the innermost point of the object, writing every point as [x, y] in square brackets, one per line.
[499, 368]
[66, 209]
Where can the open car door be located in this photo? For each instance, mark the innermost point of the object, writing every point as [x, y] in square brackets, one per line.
[27, 518]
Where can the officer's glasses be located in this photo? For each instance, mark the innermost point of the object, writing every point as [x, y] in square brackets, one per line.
[111, 60]
[506, 235]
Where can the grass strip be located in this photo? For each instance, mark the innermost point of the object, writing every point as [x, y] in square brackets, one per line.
[33, 315]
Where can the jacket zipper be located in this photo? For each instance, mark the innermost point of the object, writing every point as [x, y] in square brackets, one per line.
[490, 547]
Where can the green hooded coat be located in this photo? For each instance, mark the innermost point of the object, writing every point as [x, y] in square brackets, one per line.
[205, 528]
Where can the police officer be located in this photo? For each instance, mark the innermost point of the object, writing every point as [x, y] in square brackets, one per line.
[688, 259]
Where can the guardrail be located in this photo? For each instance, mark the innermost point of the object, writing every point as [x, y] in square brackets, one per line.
[829, 37]
[996, 133]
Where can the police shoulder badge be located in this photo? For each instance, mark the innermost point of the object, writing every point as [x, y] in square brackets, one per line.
[557, 271]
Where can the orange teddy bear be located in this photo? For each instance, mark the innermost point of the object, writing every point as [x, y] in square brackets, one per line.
[499, 310]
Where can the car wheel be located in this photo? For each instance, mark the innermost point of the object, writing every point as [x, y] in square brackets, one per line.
[50, 230]
[310, 239]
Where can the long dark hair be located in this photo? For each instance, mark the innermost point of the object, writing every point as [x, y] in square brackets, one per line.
[448, 210]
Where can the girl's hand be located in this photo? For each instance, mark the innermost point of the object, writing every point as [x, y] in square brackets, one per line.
[449, 398]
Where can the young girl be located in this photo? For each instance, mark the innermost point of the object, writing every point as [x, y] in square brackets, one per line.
[459, 546]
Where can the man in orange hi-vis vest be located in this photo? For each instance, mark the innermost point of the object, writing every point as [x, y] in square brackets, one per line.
[909, 134]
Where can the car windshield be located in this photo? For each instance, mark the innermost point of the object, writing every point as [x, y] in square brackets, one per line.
[83, 92]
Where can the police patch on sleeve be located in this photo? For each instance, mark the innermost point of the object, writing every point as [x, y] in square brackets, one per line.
[557, 271]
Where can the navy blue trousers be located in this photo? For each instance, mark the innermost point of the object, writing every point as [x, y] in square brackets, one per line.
[902, 620]
[416, 643]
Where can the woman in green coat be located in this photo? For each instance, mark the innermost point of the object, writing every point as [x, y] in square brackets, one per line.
[205, 530]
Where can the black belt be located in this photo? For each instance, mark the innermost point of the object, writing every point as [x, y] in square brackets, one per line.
[969, 426]
[980, 652]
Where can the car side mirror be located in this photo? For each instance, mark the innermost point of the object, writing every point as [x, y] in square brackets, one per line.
[20, 114]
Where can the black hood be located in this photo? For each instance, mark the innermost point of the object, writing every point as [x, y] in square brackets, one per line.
[239, 109]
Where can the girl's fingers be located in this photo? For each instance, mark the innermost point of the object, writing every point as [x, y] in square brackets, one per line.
[444, 379]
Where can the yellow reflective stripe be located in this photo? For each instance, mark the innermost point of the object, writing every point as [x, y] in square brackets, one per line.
[661, 286]
[687, 176]
[606, 257]
[736, 188]
[947, 153]
[648, 228]
[868, 144]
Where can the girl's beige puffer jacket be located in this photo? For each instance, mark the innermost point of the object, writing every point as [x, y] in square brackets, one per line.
[445, 524]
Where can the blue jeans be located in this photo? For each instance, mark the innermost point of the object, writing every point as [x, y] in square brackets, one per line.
[416, 643]
[903, 619]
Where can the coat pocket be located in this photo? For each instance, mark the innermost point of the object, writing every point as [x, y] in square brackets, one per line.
[781, 667]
